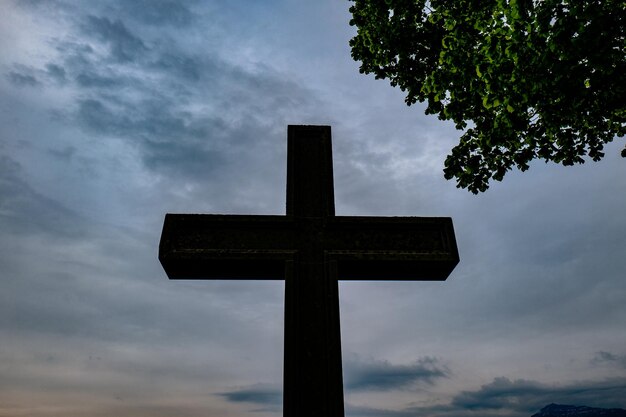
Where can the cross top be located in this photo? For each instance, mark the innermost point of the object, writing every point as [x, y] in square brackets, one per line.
[311, 249]
[310, 190]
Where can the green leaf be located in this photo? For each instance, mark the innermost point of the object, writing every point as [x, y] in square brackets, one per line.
[535, 60]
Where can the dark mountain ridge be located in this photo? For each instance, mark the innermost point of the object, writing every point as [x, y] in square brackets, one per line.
[558, 410]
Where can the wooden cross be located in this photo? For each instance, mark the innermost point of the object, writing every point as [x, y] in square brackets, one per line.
[310, 248]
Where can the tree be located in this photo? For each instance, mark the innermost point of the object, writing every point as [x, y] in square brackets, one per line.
[523, 79]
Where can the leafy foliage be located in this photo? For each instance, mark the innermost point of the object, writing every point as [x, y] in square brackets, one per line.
[522, 79]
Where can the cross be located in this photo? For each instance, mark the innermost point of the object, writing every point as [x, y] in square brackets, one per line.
[310, 248]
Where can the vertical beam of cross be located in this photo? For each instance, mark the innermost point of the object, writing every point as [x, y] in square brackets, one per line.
[312, 365]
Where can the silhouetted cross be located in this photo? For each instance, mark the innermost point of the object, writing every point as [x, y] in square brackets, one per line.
[310, 248]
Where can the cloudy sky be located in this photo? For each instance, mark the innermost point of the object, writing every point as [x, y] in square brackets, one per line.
[114, 112]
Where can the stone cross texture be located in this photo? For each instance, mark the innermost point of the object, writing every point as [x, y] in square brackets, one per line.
[310, 248]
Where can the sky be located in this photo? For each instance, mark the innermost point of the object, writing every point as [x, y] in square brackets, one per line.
[113, 113]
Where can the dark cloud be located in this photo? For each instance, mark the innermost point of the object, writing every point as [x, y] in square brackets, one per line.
[124, 46]
[93, 79]
[433, 411]
[56, 72]
[94, 115]
[518, 398]
[377, 375]
[22, 80]
[364, 411]
[65, 154]
[608, 358]
[503, 393]
[75, 54]
[171, 142]
[159, 12]
[155, 98]
[186, 67]
[529, 396]
[269, 398]
[25, 211]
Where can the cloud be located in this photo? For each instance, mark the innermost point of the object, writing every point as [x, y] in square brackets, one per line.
[22, 80]
[503, 393]
[364, 411]
[27, 212]
[609, 358]
[515, 398]
[26, 76]
[376, 375]
[94, 79]
[186, 67]
[124, 46]
[268, 397]
[528, 396]
[56, 72]
[190, 115]
[171, 141]
[159, 12]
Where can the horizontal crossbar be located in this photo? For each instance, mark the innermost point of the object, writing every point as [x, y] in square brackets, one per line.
[196, 246]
